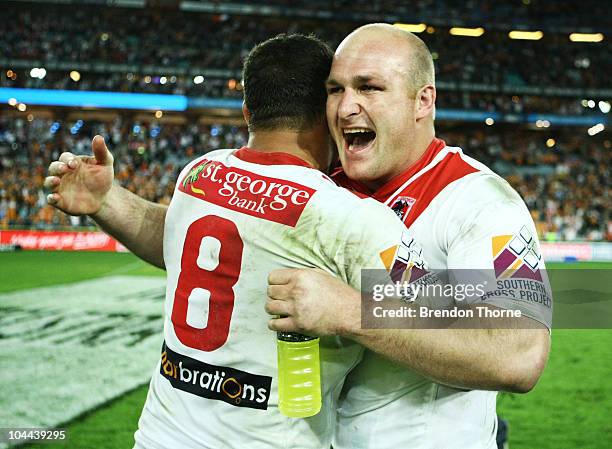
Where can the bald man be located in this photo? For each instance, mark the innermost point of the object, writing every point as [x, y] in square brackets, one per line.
[422, 388]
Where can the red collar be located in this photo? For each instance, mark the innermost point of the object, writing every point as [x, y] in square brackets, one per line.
[269, 158]
[394, 183]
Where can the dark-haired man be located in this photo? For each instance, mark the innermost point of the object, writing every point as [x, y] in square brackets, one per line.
[235, 216]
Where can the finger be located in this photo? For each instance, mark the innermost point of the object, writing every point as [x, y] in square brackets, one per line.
[282, 276]
[53, 199]
[86, 159]
[68, 159]
[57, 168]
[285, 324]
[51, 183]
[281, 292]
[275, 307]
[100, 151]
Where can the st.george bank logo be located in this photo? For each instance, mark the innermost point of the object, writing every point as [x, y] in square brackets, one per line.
[243, 191]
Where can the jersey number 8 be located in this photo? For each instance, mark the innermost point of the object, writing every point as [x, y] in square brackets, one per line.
[219, 283]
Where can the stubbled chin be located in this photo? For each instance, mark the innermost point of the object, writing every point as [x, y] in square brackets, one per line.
[359, 171]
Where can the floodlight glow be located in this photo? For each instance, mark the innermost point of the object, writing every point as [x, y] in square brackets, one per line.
[596, 129]
[38, 72]
[412, 27]
[542, 123]
[585, 37]
[469, 32]
[526, 35]
[604, 106]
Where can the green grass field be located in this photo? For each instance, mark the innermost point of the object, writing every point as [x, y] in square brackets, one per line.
[569, 409]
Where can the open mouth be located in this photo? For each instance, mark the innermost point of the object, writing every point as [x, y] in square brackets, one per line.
[358, 139]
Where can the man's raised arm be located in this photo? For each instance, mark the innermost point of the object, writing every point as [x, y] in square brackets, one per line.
[83, 185]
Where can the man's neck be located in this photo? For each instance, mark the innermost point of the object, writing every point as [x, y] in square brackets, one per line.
[414, 153]
[311, 146]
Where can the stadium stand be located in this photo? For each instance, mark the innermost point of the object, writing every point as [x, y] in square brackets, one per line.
[196, 49]
[567, 185]
[99, 38]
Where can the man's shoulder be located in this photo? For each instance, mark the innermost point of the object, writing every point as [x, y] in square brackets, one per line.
[215, 155]
[485, 187]
[477, 183]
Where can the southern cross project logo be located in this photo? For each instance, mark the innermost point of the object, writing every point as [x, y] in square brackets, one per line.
[404, 262]
[516, 256]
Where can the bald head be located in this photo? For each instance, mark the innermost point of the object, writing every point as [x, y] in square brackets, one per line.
[397, 46]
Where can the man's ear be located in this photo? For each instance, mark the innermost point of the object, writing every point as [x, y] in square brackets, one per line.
[425, 102]
[246, 113]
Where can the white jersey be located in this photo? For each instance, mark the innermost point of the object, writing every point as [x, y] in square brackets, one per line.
[235, 216]
[464, 216]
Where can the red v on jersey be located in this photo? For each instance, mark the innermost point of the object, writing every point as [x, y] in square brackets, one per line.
[424, 186]
[409, 193]
[243, 191]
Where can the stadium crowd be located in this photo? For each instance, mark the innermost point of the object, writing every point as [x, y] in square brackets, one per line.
[587, 13]
[565, 183]
[189, 41]
[231, 88]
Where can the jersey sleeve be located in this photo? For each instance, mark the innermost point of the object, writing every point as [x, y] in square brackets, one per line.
[495, 246]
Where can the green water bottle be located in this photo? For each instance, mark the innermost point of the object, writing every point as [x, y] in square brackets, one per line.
[299, 375]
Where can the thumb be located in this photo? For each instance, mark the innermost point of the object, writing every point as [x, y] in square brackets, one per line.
[100, 152]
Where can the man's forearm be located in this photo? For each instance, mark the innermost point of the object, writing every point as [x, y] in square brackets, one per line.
[135, 222]
[469, 357]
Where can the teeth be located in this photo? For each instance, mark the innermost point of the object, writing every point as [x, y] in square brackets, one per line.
[357, 130]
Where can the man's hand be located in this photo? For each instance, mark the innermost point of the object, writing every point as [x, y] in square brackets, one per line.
[79, 184]
[312, 302]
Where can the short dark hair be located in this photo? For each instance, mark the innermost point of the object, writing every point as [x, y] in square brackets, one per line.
[284, 82]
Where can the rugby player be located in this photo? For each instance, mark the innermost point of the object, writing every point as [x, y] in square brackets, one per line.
[236, 215]
[421, 388]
